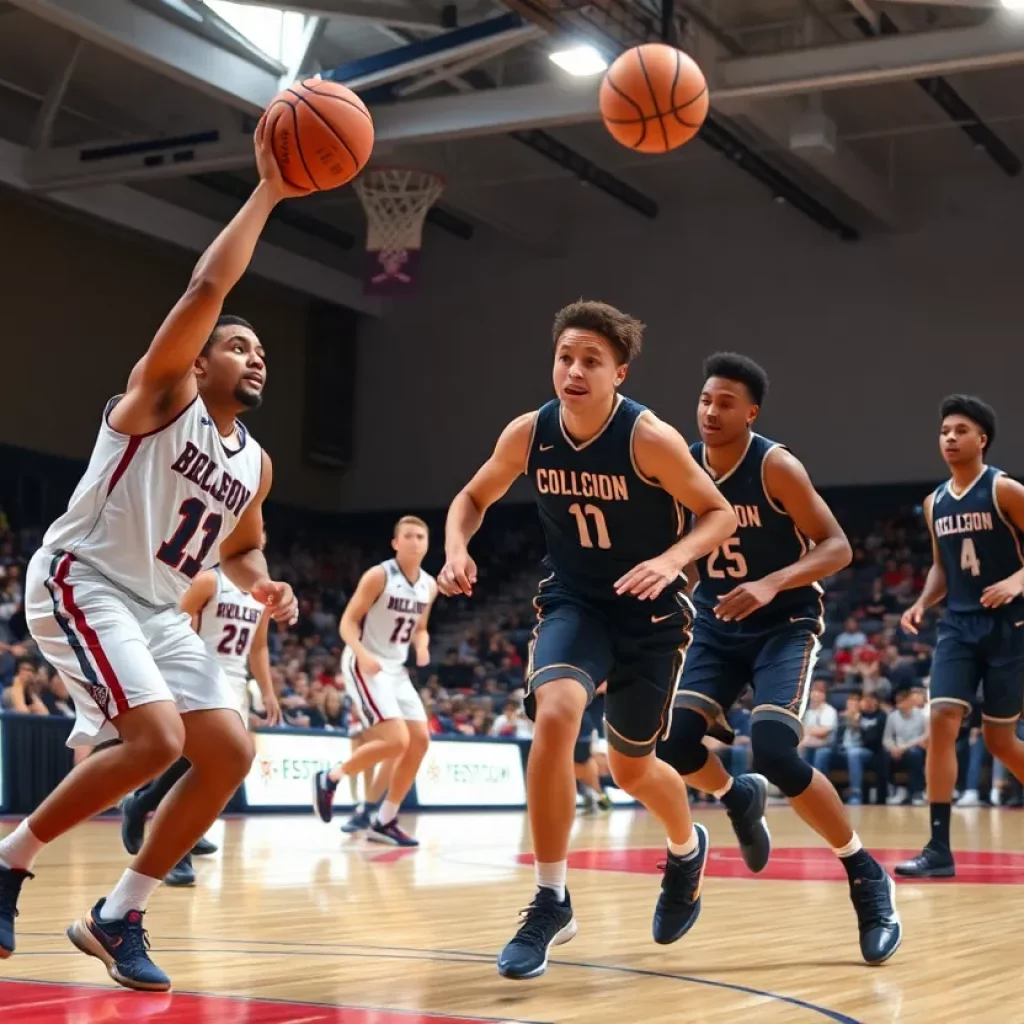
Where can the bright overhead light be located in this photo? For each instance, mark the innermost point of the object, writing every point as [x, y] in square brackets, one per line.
[1014, 5]
[580, 61]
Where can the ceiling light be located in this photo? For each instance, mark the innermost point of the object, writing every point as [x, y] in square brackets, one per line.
[1014, 5]
[581, 60]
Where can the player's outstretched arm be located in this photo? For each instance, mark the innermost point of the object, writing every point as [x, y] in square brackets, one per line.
[1010, 501]
[259, 665]
[662, 455]
[370, 587]
[789, 486]
[243, 562]
[491, 482]
[421, 638]
[199, 595]
[934, 584]
[162, 384]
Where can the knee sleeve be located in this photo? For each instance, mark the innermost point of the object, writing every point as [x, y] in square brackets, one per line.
[683, 748]
[775, 757]
[582, 753]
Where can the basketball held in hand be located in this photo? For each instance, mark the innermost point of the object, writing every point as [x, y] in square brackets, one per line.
[654, 98]
[322, 134]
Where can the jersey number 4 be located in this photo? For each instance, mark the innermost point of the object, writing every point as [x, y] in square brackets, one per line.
[172, 552]
[735, 563]
[969, 560]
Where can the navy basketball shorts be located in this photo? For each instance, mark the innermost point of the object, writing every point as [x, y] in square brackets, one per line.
[985, 647]
[778, 664]
[637, 646]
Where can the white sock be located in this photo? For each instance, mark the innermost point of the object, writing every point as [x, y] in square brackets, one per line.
[20, 848]
[685, 850]
[387, 813]
[852, 847]
[552, 876]
[132, 892]
[719, 793]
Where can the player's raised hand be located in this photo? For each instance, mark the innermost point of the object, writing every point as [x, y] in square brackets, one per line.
[1003, 592]
[266, 164]
[911, 619]
[744, 600]
[279, 599]
[458, 575]
[647, 580]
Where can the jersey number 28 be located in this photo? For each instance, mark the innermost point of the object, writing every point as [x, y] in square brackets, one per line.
[228, 640]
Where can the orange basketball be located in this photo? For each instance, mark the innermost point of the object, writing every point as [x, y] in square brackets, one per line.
[654, 98]
[322, 132]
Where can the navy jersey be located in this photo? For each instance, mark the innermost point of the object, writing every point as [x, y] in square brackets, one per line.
[765, 541]
[977, 544]
[600, 515]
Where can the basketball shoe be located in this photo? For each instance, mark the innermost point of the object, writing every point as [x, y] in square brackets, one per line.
[678, 905]
[122, 946]
[11, 881]
[546, 923]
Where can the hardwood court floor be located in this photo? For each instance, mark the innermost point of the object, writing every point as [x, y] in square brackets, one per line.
[293, 922]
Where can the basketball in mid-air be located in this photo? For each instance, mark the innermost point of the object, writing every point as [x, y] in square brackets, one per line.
[654, 98]
[322, 132]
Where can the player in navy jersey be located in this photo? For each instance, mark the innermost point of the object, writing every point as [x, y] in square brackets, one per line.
[975, 519]
[759, 616]
[609, 479]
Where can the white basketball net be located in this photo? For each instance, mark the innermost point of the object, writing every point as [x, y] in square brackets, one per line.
[396, 201]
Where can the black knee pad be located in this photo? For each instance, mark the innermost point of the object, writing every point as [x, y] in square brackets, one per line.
[582, 753]
[774, 744]
[683, 748]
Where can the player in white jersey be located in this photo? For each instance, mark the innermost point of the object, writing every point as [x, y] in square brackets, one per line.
[233, 626]
[387, 614]
[174, 485]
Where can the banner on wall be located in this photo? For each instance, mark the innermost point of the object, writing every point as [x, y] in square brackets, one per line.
[471, 775]
[282, 771]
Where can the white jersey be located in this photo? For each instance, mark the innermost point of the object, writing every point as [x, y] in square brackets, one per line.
[227, 624]
[389, 624]
[151, 509]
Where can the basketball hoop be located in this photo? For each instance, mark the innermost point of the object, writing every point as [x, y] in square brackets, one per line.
[396, 201]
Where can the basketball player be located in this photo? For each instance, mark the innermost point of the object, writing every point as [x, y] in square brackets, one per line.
[175, 485]
[387, 613]
[588, 775]
[609, 478]
[759, 616]
[234, 627]
[975, 519]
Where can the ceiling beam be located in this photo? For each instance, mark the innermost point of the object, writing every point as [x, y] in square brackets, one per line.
[358, 10]
[148, 215]
[161, 45]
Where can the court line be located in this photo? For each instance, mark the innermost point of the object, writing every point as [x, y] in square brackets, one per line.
[476, 1019]
[466, 956]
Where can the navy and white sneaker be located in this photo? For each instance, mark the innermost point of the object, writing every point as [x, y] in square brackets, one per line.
[204, 848]
[678, 905]
[359, 822]
[133, 825]
[878, 921]
[546, 923]
[390, 833]
[182, 875]
[323, 796]
[748, 821]
[11, 881]
[123, 946]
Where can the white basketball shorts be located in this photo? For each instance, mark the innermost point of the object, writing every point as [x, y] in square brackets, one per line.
[114, 652]
[388, 694]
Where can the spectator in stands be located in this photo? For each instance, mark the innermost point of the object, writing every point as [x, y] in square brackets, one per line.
[879, 603]
[861, 728]
[868, 668]
[820, 724]
[851, 637]
[22, 696]
[905, 740]
[512, 722]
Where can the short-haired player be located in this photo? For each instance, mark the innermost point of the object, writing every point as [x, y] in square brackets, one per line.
[386, 616]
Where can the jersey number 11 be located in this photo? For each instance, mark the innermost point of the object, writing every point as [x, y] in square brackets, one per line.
[581, 512]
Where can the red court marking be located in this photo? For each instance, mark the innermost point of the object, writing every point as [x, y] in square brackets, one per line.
[31, 1003]
[799, 864]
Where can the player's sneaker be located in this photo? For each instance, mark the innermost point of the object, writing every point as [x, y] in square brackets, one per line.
[390, 833]
[748, 820]
[604, 801]
[123, 946]
[11, 880]
[546, 923]
[182, 875]
[323, 796]
[204, 848]
[359, 822]
[933, 861]
[874, 900]
[133, 824]
[678, 905]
